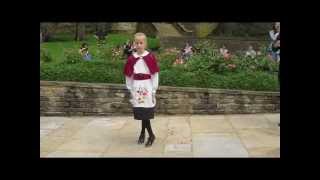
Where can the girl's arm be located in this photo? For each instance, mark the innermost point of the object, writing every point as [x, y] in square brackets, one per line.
[155, 82]
[129, 81]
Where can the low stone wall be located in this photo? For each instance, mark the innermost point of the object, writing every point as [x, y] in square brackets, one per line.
[73, 98]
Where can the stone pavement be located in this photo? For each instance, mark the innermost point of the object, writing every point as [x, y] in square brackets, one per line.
[254, 135]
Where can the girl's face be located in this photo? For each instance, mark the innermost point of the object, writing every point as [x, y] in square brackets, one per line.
[140, 44]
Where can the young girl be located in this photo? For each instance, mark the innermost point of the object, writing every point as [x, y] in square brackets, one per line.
[142, 72]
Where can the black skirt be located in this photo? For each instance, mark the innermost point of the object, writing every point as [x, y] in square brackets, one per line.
[142, 113]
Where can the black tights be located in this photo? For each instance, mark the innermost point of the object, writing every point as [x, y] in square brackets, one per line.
[146, 124]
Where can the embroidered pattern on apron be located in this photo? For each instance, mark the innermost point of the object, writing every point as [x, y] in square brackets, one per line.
[141, 94]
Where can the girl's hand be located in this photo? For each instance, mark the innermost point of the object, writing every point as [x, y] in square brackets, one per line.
[153, 98]
[131, 97]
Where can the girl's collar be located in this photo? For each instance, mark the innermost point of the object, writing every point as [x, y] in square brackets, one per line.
[135, 54]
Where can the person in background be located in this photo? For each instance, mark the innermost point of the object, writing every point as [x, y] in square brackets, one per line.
[179, 60]
[187, 52]
[225, 52]
[251, 52]
[273, 34]
[128, 48]
[84, 51]
[274, 52]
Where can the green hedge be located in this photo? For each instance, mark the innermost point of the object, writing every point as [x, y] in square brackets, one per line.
[84, 71]
[45, 56]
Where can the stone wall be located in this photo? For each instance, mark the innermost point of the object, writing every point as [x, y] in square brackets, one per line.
[128, 27]
[73, 98]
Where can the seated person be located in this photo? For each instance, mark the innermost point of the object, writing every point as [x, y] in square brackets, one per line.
[251, 52]
[225, 52]
[179, 60]
[187, 51]
[116, 51]
[128, 48]
[85, 52]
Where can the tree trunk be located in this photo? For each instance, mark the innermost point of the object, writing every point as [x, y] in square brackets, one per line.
[45, 34]
[76, 32]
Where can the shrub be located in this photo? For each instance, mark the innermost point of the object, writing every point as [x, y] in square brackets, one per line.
[260, 63]
[71, 56]
[94, 71]
[114, 40]
[45, 56]
[153, 43]
[166, 60]
[209, 59]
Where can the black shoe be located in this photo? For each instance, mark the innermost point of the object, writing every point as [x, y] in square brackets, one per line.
[150, 140]
[141, 138]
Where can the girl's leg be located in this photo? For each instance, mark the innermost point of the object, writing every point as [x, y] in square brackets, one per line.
[151, 135]
[143, 125]
[148, 126]
[142, 133]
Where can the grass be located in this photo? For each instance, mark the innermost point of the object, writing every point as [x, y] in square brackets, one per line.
[56, 48]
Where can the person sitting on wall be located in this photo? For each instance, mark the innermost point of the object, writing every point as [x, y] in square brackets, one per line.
[187, 52]
[225, 52]
[179, 60]
[128, 48]
[251, 52]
